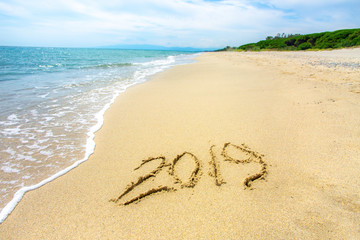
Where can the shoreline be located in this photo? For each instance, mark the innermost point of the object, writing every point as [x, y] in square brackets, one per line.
[89, 150]
[309, 189]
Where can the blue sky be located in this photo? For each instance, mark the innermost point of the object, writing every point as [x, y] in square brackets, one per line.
[193, 23]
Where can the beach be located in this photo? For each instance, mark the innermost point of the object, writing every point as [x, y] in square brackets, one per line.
[251, 145]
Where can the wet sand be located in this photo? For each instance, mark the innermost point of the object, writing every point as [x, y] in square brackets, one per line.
[236, 146]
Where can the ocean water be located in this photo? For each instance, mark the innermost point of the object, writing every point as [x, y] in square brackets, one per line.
[52, 100]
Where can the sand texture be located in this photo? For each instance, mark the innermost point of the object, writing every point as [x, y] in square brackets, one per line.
[236, 146]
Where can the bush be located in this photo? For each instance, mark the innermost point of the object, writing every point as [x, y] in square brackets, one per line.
[290, 42]
[300, 40]
[304, 46]
[277, 44]
[263, 44]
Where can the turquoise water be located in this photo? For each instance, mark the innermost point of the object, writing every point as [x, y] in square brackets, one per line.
[52, 100]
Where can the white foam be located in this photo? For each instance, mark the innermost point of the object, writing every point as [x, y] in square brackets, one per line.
[37, 87]
[49, 133]
[47, 119]
[34, 112]
[11, 131]
[10, 182]
[47, 153]
[43, 140]
[168, 60]
[10, 151]
[7, 123]
[45, 66]
[34, 146]
[9, 169]
[12, 117]
[44, 95]
[26, 158]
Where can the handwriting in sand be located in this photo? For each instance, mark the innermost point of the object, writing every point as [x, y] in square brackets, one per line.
[251, 156]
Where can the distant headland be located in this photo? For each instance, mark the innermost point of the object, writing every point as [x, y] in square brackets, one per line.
[156, 47]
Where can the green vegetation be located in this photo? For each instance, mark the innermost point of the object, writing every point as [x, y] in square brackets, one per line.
[325, 40]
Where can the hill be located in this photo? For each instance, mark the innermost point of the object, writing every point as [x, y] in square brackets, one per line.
[325, 40]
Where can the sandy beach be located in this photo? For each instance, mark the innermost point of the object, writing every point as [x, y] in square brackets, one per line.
[255, 145]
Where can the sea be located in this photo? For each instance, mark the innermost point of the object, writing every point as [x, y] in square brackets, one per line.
[52, 101]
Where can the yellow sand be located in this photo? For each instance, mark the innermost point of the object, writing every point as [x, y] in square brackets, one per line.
[303, 116]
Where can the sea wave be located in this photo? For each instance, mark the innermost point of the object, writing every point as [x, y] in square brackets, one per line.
[108, 65]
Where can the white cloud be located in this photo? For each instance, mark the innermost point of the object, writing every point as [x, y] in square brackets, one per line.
[13, 10]
[307, 3]
[171, 22]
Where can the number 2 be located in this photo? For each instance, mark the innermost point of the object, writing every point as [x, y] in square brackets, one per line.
[142, 179]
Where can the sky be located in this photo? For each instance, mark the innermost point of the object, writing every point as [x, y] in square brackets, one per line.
[181, 23]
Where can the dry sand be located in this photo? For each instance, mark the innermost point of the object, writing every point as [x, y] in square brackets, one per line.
[300, 110]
